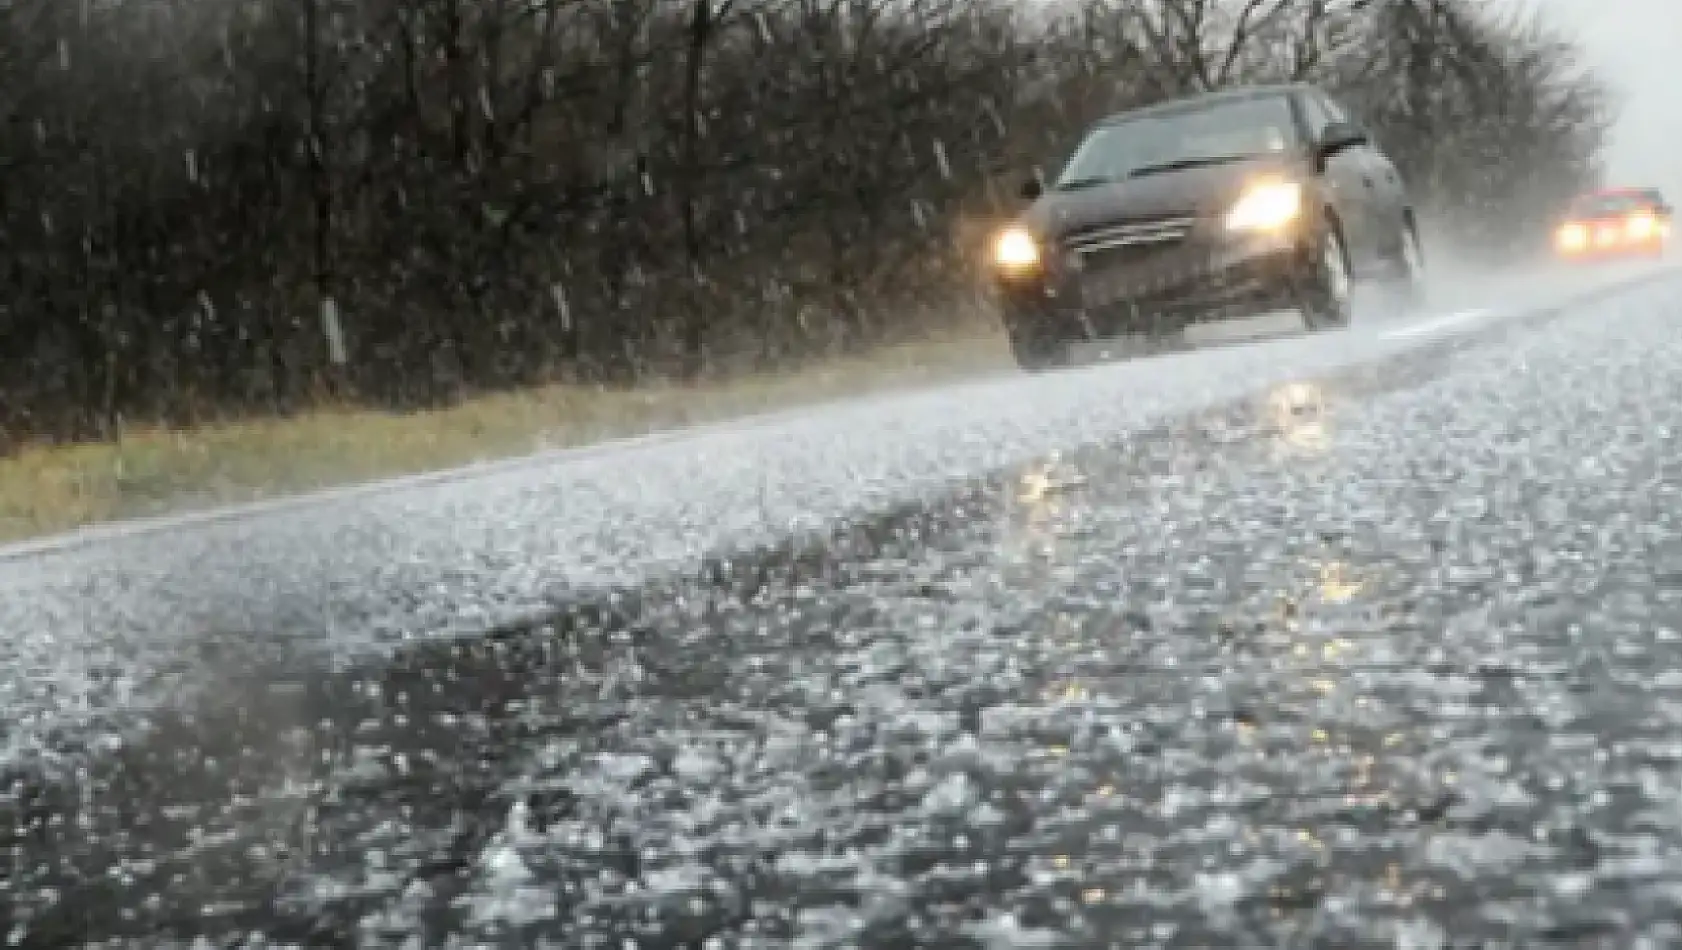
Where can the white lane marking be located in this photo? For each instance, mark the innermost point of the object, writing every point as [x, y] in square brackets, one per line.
[1438, 324]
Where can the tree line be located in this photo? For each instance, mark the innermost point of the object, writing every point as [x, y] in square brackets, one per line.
[221, 209]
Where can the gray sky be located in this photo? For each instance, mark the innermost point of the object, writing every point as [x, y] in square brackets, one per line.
[1636, 46]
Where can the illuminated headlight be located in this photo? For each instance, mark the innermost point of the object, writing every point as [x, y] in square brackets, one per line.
[1016, 250]
[1266, 207]
[1642, 226]
[1573, 237]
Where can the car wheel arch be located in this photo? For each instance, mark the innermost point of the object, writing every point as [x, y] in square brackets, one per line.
[1316, 275]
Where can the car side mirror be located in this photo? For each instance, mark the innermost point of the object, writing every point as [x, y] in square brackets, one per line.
[1031, 189]
[1339, 136]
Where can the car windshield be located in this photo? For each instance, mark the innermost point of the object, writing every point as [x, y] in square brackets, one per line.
[1239, 128]
[1613, 203]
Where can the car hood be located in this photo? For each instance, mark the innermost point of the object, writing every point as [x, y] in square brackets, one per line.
[1206, 190]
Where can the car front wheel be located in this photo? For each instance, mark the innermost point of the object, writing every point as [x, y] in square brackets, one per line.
[1035, 342]
[1326, 294]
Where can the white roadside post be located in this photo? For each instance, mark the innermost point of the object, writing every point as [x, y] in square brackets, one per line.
[333, 331]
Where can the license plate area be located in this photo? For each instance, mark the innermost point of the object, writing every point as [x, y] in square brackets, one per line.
[1211, 270]
[1148, 280]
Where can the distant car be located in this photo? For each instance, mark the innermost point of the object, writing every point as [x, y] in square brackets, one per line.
[1215, 206]
[1615, 223]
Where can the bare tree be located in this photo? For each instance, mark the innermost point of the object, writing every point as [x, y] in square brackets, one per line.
[499, 192]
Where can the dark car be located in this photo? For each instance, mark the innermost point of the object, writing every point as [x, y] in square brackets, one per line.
[1615, 223]
[1210, 207]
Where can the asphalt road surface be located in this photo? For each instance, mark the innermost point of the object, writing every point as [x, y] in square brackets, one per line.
[1359, 639]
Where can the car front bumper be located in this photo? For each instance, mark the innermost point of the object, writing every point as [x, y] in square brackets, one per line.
[1611, 239]
[1164, 292]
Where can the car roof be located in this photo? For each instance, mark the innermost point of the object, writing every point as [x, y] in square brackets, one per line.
[1203, 100]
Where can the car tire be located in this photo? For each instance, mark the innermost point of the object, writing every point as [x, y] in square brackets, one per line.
[1039, 355]
[1035, 343]
[1404, 291]
[1326, 295]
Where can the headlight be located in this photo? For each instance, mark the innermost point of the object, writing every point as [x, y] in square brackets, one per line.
[1573, 236]
[1016, 249]
[1642, 225]
[1266, 207]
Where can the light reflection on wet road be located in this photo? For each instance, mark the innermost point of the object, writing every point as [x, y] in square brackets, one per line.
[1380, 658]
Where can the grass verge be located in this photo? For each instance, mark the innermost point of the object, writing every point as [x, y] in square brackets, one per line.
[57, 488]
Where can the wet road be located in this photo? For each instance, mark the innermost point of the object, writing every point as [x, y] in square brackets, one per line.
[1379, 652]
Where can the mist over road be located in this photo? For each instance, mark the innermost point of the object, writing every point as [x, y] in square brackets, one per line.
[1341, 640]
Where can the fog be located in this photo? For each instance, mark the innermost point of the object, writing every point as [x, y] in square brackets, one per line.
[1636, 46]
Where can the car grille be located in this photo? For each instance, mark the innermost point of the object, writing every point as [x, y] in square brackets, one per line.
[1128, 241]
[1129, 234]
